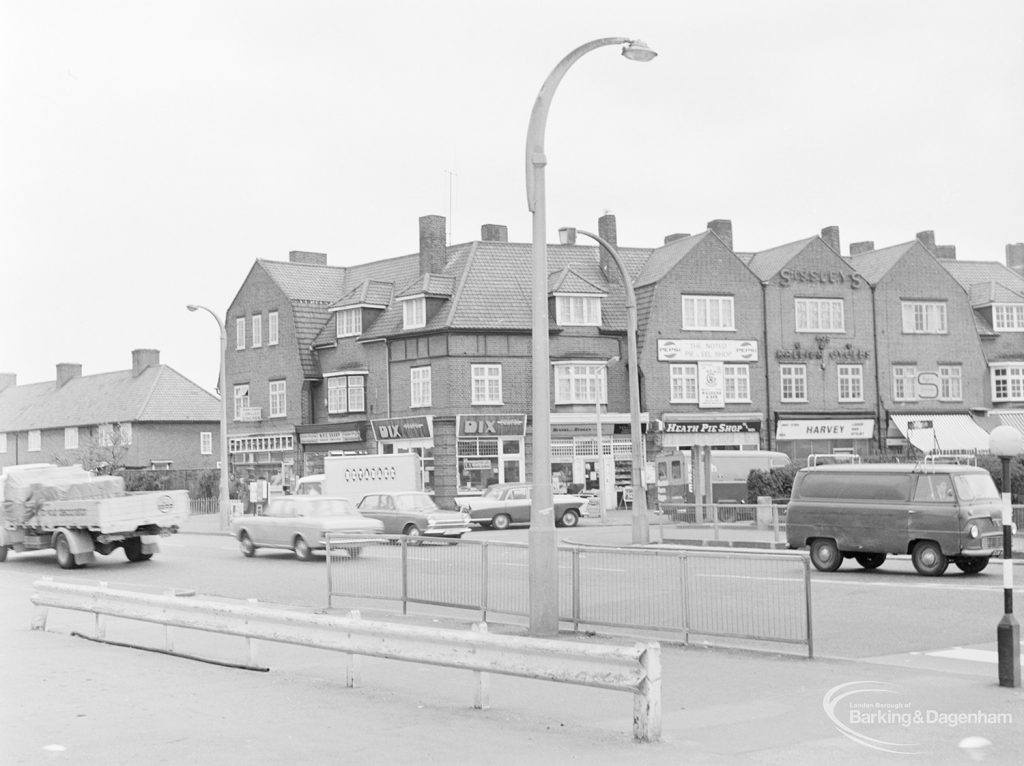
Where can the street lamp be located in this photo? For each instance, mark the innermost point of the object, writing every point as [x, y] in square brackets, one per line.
[641, 524]
[225, 497]
[1006, 442]
[599, 465]
[543, 544]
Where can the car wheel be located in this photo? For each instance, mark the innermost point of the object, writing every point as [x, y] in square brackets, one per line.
[825, 555]
[245, 543]
[302, 549]
[972, 565]
[413, 533]
[870, 560]
[65, 558]
[133, 550]
[501, 521]
[929, 559]
[3, 553]
[570, 518]
[354, 553]
[727, 514]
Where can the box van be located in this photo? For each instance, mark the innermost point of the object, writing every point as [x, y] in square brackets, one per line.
[937, 513]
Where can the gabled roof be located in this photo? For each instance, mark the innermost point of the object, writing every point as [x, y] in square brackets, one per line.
[306, 281]
[767, 263]
[663, 259]
[158, 394]
[970, 273]
[568, 282]
[874, 265]
[431, 285]
[369, 292]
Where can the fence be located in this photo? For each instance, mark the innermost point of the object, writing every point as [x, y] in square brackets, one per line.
[210, 506]
[744, 596]
[766, 517]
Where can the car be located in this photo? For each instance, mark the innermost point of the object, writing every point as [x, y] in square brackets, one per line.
[502, 505]
[412, 514]
[303, 524]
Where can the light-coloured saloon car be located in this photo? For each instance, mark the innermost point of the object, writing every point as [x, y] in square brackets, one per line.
[302, 524]
[502, 505]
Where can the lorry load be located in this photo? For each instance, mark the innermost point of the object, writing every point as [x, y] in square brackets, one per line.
[77, 514]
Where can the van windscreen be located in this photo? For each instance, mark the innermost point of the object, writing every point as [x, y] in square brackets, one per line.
[975, 486]
[852, 486]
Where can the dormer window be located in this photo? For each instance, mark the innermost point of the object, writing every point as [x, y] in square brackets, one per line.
[1008, 317]
[579, 310]
[350, 322]
[414, 313]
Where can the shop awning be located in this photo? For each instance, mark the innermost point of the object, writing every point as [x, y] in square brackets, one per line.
[1012, 418]
[942, 433]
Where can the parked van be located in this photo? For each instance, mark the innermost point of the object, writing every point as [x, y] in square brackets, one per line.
[937, 513]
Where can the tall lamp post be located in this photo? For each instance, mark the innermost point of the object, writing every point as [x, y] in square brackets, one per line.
[225, 496]
[543, 545]
[641, 524]
[1006, 442]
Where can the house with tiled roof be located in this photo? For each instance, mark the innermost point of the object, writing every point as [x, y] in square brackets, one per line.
[149, 416]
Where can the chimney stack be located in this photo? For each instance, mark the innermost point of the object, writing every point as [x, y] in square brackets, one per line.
[723, 228]
[674, 237]
[1015, 257]
[946, 252]
[830, 234]
[433, 244]
[856, 248]
[607, 229]
[8, 380]
[143, 358]
[493, 232]
[927, 238]
[310, 259]
[67, 371]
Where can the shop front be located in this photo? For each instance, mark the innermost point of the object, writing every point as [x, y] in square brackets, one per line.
[940, 433]
[490, 449]
[265, 457]
[412, 434]
[800, 437]
[318, 441]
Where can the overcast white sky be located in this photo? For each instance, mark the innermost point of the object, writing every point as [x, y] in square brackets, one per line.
[150, 152]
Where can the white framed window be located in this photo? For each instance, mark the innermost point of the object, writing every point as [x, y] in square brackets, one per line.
[71, 438]
[1008, 383]
[257, 330]
[580, 383]
[682, 383]
[820, 315]
[924, 318]
[486, 383]
[904, 383]
[278, 399]
[272, 328]
[1008, 317]
[708, 312]
[206, 442]
[794, 382]
[578, 310]
[419, 387]
[350, 322]
[414, 313]
[346, 393]
[851, 382]
[737, 382]
[240, 334]
[3, 442]
[951, 383]
[241, 399]
[35, 440]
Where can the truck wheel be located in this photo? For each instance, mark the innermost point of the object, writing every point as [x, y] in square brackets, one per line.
[245, 543]
[569, 518]
[972, 565]
[870, 560]
[929, 559]
[133, 550]
[3, 553]
[825, 555]
[501, 521]
[65, 558]
[302, 549]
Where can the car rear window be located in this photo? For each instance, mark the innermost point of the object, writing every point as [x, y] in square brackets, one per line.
[859, 486]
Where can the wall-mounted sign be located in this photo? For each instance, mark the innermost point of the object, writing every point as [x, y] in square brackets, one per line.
[707, 350]
[491, 425]
[402, 428]
[330, 437]
[710, 385]
[848, 353]
[789, 277]
[714, 427]
[789, 430]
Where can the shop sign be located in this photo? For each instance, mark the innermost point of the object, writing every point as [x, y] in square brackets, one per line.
[476, 465]
[330, 437]
[707, 350]
[789, 430]
[402, 428]
[715, 427]
[789, 277]
[491, 425]
[710, 385]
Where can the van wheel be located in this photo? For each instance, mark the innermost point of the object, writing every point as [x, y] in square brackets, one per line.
[825, 555]
[870, 560]
[972, 565]
[726, 515]
[928, 558]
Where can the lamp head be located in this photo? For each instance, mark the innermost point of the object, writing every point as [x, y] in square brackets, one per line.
[190, 307]
[567, 235]
[637, 50]
[1006, 441]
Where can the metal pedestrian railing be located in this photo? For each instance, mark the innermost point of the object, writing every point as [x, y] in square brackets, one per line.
[752, 597]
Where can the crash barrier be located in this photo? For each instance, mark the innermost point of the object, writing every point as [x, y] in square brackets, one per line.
[635, 669]
[726, 596]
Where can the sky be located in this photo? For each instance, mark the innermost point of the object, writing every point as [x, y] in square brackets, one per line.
[152, 150]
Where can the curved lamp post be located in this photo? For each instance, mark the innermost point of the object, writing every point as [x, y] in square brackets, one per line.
[225, 497]
[599, 465]
[542, 542]
[1006, 442]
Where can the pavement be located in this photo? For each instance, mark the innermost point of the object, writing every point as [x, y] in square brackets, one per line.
[65, 699]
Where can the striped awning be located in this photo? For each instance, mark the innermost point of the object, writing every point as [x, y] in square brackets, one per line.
[942, 433]
[1013, 418]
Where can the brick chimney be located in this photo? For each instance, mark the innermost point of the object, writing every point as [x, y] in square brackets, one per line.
[856, 248]
[493, 232]
[927, 238]
[1015, 257]
[830, 234]
[310, 259]
[946, 252]
[723, 228]
[674, 237]
[433, 244]
[607, 229]
[67, 371]
[8, 380]
[143, 358]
